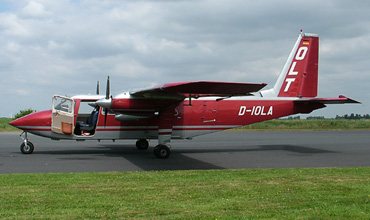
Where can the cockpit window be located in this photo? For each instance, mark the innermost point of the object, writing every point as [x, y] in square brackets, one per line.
[63, 104]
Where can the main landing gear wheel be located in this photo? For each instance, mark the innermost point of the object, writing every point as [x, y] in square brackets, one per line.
[142, 144]
[27, 149]
[162, 151]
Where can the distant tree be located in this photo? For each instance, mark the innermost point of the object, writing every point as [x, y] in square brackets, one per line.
[353, 116]
[294, 118]
[23, 113]
[315, 118]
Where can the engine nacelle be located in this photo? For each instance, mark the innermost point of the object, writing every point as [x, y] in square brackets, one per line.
[131, 117]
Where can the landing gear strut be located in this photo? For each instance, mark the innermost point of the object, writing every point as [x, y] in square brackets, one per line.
[162, 151]
[27, 146]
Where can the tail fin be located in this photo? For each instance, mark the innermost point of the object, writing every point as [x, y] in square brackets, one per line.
[299, 76]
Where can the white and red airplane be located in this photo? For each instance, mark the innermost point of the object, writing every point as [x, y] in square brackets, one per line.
[183, 110]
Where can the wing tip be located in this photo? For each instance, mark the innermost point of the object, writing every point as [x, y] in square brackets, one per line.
[349, 99]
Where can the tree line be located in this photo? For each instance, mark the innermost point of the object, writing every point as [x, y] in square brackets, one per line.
[346, 116]
[353, 116]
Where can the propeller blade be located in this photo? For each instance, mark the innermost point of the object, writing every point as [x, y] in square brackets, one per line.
[97, 88]
[105, 116]
[107, 94]
[108, 89]
[106, 102]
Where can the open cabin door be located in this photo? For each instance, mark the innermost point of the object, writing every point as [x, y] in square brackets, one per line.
[63, 115]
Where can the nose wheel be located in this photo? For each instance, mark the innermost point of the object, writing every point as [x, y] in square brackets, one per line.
[26, 147]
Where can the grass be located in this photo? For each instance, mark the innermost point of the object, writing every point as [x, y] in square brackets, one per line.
[5, 127]
[327, 193]
[315, 124]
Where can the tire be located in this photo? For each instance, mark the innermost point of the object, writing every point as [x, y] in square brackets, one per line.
[27, 149]
[142, 144]
[162, 151]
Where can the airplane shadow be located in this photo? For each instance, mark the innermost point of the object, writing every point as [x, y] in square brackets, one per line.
[180, 158]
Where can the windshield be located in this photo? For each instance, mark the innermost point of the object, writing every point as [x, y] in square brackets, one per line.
[63, 104]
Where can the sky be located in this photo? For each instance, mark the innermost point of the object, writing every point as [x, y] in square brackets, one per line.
[64, 47]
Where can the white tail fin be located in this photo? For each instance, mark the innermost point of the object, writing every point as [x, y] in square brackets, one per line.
[299, 76]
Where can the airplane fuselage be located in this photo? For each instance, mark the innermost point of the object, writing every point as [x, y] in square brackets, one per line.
[202, 116]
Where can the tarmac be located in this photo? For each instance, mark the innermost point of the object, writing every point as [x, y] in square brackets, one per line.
[222, 150]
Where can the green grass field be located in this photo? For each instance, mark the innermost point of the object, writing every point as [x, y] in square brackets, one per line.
[4, 125]
[328, 193]
[315, 124]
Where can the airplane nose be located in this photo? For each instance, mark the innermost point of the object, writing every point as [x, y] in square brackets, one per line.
[42, 118]
[19, 122]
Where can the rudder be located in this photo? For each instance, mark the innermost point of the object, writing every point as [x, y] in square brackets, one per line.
[299, 77]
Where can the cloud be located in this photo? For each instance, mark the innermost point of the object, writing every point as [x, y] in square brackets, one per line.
[35, 10]
[10, 25]
[66, 46]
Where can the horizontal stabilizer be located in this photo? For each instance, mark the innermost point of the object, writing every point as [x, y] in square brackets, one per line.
[340, 100]
[202, 88]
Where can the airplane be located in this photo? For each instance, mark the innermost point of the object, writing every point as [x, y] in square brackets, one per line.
[182, 110]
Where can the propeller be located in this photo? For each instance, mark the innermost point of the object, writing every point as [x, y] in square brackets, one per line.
[97, 88]
[106, 102]
[107, 98]
[108, 89]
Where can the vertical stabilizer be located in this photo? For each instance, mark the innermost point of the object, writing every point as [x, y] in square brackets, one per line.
[299, 77]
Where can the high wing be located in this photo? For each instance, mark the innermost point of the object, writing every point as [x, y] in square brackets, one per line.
[181, 90]
[159, 98]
